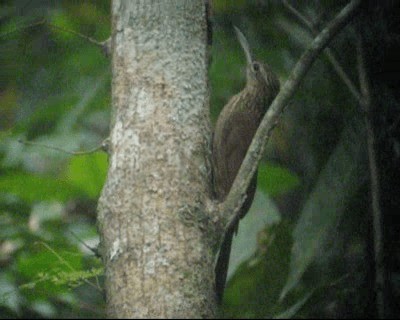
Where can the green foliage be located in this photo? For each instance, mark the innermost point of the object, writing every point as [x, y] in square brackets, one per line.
[9, 294]
[55, 263]
[54, 90]
[276, 180]
[32, 188]
[253, 291]
[88, 173]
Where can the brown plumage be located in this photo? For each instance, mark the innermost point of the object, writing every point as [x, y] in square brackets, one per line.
[234, 131]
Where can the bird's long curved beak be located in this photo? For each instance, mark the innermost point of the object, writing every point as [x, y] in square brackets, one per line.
[245, 45]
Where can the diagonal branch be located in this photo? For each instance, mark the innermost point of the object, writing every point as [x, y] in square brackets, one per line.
[230, 207]
[329, 53]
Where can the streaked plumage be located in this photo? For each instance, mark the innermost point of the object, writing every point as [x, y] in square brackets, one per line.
[234, 131]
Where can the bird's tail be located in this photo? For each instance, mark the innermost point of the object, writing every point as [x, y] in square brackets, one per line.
[221, 268]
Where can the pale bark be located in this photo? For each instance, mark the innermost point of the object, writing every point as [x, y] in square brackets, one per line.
[156, 233]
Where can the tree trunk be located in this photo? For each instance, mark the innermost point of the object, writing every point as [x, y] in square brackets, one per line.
[156, 232]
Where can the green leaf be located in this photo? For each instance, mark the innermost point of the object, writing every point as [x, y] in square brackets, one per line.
[88, 173]
[33, 188]
[275, 179]
[339, 180]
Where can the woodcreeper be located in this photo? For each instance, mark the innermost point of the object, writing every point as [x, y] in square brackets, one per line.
[234, 131]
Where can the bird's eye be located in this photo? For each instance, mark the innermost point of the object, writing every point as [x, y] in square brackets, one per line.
[256, 66]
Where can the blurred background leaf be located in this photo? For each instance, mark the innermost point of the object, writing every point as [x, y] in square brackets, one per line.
[54, 90]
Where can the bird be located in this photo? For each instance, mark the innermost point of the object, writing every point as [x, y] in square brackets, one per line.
[233, 133]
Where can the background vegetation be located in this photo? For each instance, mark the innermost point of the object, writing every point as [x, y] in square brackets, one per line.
[306, 247]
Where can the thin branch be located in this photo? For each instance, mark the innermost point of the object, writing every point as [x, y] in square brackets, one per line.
[75, 153]
[34, 24]
[95, 251]
[377, 217]
[67, 264]
[331, 56]
[104, 45]
[230, 207]
[76, 33]
[299, 16]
